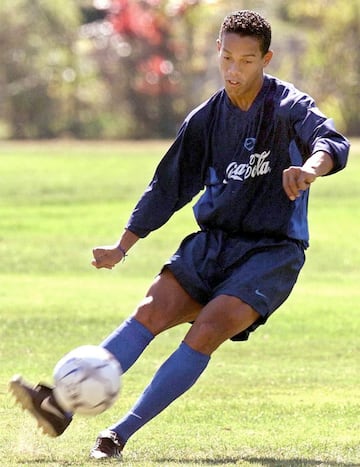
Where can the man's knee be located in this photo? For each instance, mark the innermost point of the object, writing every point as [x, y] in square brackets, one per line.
[221, 319]
[166, 305]
[157, 315]
[148, 314]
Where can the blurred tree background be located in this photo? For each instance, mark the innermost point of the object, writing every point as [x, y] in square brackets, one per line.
[134, 68]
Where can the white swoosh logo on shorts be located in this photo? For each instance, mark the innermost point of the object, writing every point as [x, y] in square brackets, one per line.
[47, 406]
[259, 294]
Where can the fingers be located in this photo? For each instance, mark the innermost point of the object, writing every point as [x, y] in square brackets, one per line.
[99, 265]
[290, 184]
[101, 262]
[105, 257]
[295, 181]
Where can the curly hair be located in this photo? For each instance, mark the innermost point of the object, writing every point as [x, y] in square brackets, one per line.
[248, 23]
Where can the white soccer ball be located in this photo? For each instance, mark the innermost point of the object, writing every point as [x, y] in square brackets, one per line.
[87, 380]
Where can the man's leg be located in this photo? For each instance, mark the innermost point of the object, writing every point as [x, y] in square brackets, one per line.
[166, 304]
[128, 342]
[222, 318]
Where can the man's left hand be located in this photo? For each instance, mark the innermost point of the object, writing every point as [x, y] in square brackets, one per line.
[297, 180]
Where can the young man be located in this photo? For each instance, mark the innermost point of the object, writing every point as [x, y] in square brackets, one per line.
[256, 146]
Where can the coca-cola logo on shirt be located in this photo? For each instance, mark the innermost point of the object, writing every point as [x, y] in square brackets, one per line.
[258, 165]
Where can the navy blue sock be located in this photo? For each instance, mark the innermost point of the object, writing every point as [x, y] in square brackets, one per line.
[174, 377]
[128, 342]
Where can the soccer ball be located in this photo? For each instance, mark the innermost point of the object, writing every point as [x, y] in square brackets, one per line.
[87, 380]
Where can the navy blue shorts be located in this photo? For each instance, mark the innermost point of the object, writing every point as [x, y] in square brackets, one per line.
[260, 271]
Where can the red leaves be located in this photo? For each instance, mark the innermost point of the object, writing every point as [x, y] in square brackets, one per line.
[138, 19]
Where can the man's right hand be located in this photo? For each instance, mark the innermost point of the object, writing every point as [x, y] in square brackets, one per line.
[106, 256]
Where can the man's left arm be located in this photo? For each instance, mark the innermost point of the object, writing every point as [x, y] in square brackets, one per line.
[328, 148]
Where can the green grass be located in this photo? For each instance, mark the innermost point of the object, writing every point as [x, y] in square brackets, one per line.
[288, 397]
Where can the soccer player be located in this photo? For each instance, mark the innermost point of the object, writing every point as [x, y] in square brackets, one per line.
[256, 146]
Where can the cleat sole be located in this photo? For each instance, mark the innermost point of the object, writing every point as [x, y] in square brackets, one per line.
[23, 398]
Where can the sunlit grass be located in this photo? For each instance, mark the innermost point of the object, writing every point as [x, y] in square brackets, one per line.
[288, 397]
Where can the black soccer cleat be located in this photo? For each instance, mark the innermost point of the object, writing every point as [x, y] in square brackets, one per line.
[107, 445]
[40, 402]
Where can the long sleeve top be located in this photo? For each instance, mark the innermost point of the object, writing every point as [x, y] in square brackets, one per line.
[238, 157]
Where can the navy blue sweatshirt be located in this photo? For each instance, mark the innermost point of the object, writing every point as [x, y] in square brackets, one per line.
[239, 157]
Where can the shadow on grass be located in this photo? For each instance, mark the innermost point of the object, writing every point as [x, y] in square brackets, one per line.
[269, 462]
[264, 461]
[46, 462]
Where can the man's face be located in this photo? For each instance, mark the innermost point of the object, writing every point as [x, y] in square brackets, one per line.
[241, 65]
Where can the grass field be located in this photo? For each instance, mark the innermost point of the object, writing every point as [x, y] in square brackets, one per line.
[288, 397]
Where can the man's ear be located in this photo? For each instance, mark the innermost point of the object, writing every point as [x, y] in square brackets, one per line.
[267, 57]
[218, 44]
